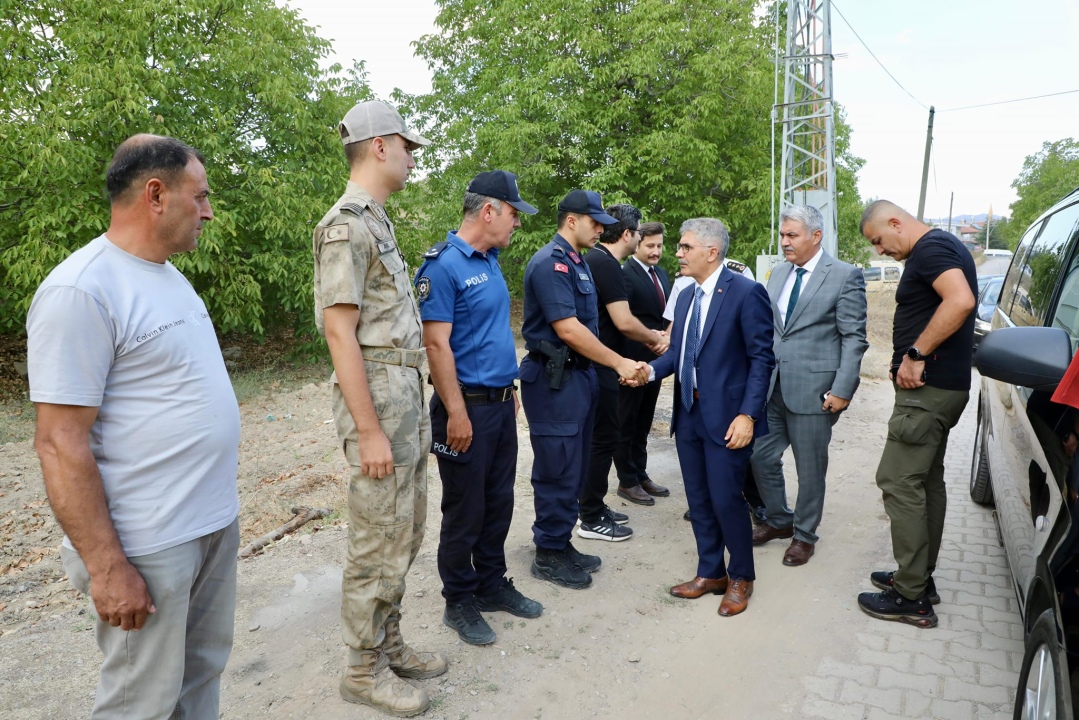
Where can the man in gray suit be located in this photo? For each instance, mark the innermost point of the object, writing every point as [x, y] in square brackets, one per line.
[819, 308]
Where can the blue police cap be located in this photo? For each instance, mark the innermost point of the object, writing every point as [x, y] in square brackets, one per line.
[586, 202]
[500, 185]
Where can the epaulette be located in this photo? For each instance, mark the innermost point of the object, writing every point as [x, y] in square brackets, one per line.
[736, 266]
[353, 208]
[558, 252]
[435, 250]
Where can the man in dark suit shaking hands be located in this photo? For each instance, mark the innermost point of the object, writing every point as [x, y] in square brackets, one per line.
[819, 306]
[721, 357]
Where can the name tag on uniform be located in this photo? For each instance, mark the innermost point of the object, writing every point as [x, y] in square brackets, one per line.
[385, 246]
[583, 276]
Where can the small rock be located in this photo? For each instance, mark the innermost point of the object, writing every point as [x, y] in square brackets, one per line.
[305, 539]
[420, 593]
[253, 627]
[270, 418]
[634, 656]
[472, 692]
[21, 369]
[231, 353]
[423, 627]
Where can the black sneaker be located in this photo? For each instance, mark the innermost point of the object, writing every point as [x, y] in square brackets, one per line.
[883, 580]
[469, 624]
[557, 567]
[890, 605]
[588, 563]
[509, 599]
[604, 529]
[615, 517]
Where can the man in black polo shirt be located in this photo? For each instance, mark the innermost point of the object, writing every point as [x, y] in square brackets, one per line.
[616, 322]
[933, 340]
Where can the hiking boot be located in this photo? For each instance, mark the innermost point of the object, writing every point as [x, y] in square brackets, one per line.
[604, 529]
[371, 682]
[469, 624]
[509, 599]
[558, 567]
[406, 662]
[883, 580]
[890, 605]
[615, 517]
[588, 563]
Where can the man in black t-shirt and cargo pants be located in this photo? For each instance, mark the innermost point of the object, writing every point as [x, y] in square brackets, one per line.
[933, 340]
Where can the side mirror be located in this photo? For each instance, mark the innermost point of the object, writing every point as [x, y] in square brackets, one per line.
[1033, 357]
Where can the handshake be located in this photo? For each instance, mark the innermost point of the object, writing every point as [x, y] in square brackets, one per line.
[661, 342]
[634, 373]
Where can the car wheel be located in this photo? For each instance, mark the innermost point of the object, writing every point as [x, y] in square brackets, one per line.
[1041, 691]
[981, 490]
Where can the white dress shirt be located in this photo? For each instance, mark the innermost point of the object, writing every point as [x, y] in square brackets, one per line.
[788, 285]
[709, 287]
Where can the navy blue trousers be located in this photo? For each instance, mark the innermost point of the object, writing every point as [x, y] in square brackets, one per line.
[560, 428]
[714, 477]
[477, 501]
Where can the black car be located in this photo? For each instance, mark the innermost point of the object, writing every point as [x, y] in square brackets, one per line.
[1024, 448]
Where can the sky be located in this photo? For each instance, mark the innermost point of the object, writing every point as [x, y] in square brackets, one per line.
[945, 53]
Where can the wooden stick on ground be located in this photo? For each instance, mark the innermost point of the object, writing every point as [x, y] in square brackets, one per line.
[303, 515]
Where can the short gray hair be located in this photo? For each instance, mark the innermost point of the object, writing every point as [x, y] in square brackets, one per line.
[809, 216]
[710, 232]
[474, 202]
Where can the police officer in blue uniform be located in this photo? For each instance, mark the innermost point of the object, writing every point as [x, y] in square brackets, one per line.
[465, 308]
[558, 383]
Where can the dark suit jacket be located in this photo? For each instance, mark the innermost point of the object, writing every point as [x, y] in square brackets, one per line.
[644, 304]
[735, 358]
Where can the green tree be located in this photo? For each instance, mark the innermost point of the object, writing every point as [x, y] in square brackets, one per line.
[664, 105]
[998, 231]
[1046, 177]
[238, 80]
[852, 247]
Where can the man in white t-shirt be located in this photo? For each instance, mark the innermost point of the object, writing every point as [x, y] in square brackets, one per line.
[138, 432]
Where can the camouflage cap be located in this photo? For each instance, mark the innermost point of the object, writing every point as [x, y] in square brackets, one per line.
[373, 118]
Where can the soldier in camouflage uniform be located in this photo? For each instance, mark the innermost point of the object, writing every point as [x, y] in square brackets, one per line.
[365, 308]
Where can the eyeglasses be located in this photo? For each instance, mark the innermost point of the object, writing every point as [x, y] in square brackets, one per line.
[686, 247]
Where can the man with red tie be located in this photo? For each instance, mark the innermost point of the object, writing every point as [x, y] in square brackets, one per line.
[721, 357]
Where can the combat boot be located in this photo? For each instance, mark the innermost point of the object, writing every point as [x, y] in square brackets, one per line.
[371, 682]
[405, 661]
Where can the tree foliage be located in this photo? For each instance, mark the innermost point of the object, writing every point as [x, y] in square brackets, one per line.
[1046, 177]
[238, 80]
[998, 231]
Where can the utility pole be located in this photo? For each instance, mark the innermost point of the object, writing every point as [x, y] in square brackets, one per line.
[925, 163]
[951, 203]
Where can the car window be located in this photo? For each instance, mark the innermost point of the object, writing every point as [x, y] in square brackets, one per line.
[1066, 315]
[872, 273]
[1017, 270]
[891, 274]
[991, 292]
[1040, 269]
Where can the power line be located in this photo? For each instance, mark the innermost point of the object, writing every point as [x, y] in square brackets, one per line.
[847, 23]
[1014, 100]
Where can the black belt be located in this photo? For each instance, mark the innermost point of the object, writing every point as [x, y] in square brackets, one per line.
[573, 360]
[485, 396]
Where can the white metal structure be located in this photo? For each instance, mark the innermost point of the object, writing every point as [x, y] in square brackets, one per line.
[807, 115]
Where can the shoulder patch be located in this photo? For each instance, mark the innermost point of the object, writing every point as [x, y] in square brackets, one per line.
[336, 233]
[561, 267]
[575, 258]
[377, 229]
[423, 288]
[558, 252]
[736, 266]
[436, 250]
[354, 208]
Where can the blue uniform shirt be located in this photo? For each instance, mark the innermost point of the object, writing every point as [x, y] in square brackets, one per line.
[464, 287]
[558, 285]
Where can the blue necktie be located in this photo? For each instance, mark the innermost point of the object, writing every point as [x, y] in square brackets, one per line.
[794, 295]
[689, 358]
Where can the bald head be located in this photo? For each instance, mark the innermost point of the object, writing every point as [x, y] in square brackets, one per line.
[890, 229]
[142, 157]
[878, 208]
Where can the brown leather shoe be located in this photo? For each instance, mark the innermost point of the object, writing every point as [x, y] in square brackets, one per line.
[636, 495]
[764, 532]
[798, 553]
[654, 490]
[699, 586]
[736, 598]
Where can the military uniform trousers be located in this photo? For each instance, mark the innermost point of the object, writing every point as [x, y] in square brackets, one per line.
[386, 518]
[477, 500]
[560, 428]
[809, 436]
[911, 479]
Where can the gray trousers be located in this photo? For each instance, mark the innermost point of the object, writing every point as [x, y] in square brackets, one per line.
[171, 668]
[808, 436]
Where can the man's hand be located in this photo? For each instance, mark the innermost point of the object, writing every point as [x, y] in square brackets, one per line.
[740, 433]
[376, 455]
[910, 374]
[459, 432]
[629, 372]
[120, 596]
[833, 403]
[661, 344]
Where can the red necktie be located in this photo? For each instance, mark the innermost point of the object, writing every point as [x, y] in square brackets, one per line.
[659, 288]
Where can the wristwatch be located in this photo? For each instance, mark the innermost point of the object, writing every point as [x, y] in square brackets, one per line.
[915, 354]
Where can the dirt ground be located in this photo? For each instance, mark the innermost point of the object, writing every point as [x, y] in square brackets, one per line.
[622, 648]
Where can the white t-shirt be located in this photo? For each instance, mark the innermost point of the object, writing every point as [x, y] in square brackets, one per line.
[131, 337]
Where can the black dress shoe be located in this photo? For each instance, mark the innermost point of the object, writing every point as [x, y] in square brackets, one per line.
[635, 495]
[654, 490]
[686, 516]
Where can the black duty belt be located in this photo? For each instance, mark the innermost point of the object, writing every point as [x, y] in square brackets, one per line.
[485, 396]
[573, 360]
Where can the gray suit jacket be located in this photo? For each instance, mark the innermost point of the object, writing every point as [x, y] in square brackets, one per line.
[820, 349]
